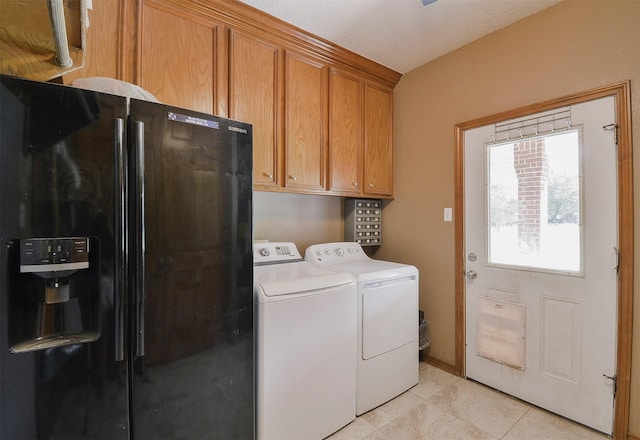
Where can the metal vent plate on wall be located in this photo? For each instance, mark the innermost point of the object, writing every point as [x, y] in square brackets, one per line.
[363, 221]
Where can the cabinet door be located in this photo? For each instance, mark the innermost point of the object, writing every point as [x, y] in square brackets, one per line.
[177, 56]
[253, 97]
[345, 133]
[378, 153]
[305, 123]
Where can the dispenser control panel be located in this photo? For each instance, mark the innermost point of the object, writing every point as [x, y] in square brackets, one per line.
[54, 254]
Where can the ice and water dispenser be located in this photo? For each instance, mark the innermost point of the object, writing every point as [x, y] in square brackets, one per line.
[54, 286]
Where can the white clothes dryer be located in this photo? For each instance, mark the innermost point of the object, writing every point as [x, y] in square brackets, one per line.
[305, 345]
[387, 321]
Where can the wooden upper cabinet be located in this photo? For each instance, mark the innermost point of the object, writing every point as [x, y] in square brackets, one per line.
[305, 130]
[177, 57]
[345, 133]
[322, 116]
[378, 153]
[253, 97]
[101, 55]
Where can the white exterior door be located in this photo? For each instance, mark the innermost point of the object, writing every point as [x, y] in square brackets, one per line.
[541, 259]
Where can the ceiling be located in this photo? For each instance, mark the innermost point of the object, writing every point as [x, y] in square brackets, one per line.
[400, 34]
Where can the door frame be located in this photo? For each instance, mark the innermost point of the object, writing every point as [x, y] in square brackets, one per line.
[621, 93]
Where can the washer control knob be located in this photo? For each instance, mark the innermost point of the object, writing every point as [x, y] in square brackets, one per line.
[339, 252]
[264, 252]
[327, 252]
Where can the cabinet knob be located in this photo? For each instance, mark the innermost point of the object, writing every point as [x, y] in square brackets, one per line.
[293, 177]
[355, 184]
[268, 175]
[370, 185]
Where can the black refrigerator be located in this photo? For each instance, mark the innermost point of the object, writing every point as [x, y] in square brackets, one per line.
[126, 269]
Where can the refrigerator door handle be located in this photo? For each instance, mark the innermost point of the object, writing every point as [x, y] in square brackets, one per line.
[138, 133]
[120, 258]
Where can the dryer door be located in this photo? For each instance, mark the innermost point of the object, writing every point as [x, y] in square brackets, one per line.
[389, 315]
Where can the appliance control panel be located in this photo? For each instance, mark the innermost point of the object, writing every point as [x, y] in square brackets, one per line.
[335, 253]
[276, 252]
[363, 221]
[54, 254]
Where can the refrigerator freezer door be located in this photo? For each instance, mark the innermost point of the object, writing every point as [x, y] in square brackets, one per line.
[61, 375]
[193, 375]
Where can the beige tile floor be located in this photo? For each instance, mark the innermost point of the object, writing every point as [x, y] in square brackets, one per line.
[445, 407]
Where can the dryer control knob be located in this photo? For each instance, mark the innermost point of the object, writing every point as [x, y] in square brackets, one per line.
[264, 252]
[351, 250]
[339, 252]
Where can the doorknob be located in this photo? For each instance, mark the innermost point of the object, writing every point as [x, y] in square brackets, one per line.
[471, 274]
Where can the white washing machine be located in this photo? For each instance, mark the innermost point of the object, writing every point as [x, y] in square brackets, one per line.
[305, 345]
[387, 321]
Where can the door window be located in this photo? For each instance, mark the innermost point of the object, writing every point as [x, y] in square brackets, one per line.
[533, 196]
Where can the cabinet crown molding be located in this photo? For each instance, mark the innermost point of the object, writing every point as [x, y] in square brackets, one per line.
[242, 16]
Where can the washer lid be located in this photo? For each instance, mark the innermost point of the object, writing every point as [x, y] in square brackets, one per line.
[297, 277]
